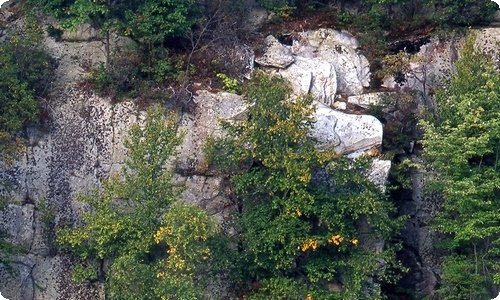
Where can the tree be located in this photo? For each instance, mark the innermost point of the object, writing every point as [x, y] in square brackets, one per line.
[152, 244]
[301, 210]
[462, 146]
[25, 71]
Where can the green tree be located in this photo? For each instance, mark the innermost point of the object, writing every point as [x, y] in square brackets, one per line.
[137, 226]
[301, 210]
[25, 72]
[462, 146]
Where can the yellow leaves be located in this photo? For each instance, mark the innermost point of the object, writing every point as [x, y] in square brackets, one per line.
[309, 244]
[309, 297]
[336, 240]
[299, 213]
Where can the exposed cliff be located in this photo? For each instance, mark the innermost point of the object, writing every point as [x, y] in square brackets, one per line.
[81, 143]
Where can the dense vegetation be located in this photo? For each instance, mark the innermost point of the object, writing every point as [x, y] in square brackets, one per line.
[305, 219]
[462, 145]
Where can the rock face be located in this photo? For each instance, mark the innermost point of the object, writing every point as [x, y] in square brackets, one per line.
[346, 133]
[324, 63]
[81, 144]
[276, 54]
[205, 123]
[438, 59]
[419, 239]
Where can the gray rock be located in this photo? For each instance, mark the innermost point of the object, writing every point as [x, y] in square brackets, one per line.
[314, 76]
[275, 55]
[211, 109]
[379, 172]
[368, 100]
[344, 132]
[340, 49]
[437, 59]
[84, 32]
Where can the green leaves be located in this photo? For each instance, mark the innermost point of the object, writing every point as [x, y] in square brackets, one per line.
[154, 245]
[462, 145]
[300, 209]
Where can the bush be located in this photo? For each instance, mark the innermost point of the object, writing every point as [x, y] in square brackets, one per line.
[299, 209]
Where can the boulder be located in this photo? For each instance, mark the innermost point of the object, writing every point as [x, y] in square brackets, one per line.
[340, 49]
[346, 133]
[314, 76]
[275, 55]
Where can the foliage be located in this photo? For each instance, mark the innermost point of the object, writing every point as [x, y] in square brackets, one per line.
[155, 20]
[122, 77]
[136, 225]
[185, 230]
[301, 210]
[25, 72]
[462, 146]
[451, 13]
[461, 281]
[229, 84]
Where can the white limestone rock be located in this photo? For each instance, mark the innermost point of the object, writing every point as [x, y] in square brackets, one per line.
[340, 49]
[275, 55]
[346, 133]
[314, 76]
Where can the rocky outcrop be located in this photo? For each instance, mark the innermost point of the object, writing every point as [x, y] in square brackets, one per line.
[340, 49]
[275, 55]
[81, 143]
[437, 59]
[369, 100]
[344, 132]
[323, 62]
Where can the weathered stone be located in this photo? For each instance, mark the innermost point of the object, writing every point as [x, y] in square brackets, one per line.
[437, 60]
[275, 55]
[340, 49]
[18, 222]
[338, 105]
[379, 172]
[344, 132]
[84, 32]
[368, 100]
[19, 285]
[211, 109]
[314, 76]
